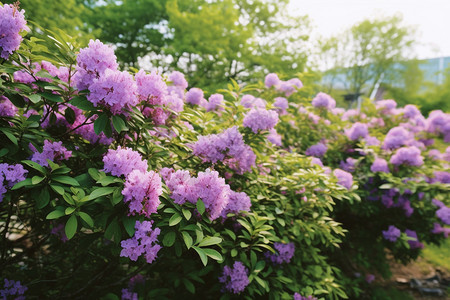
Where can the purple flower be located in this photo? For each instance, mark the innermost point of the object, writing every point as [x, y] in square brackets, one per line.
[396, 137]
[281, 103]
[387, 106]
[151, 88]
[411, 111]
[284, 253]
[289, 87]
[122, 161]
[274, 137]
[271, 80]
[435, 154]
[194, 96]
[235, 279]
[443, 213]
[59, 231]
[92, 62]
[370, 278]
[55, 152]
[407, 156]
[129, 295]
[260, 119]
[214, 192]
[228, 147]
[238, 202]
[11, 24]
[316, 161]
[249, 101]
[178, 80]
[441, 176]
[12, 288]
[414, 243]
[115, 90]
[297, 296]
[379, 165]
[181, 185]
[12, 174]
[348, 165]
[357, 131]
[344, 178]
[317, 150]
[392, 234]
[144, 242]
[215, 102]
[324, 100]
[7, 109]
[437, 229]
[142, 191]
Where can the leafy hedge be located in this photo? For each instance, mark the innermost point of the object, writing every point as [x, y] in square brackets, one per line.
[128, 184]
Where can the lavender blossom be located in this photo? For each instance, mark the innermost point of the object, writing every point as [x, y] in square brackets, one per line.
[144, 242]
[392, 234]
[235, 279]
[379, 165]
[11, 24]
[324, 100]
[407, 156]
[344, 178]
[123, 161]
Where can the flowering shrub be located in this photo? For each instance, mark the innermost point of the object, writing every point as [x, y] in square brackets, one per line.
[118, 183]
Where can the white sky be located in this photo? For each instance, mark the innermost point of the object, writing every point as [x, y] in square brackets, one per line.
[431, 18]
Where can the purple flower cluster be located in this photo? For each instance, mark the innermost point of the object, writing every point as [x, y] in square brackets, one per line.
[317, 150]
[13, 288]
[392, 234]
[379, 165]
[396, 137]
[411, 111]
[55, 152]
[228, 147]
[324, 100]
[260, 119]
[407, 156]
[207, 186]
[12, 174]
[92, 62]
[274, 137]
[441, 176]
[249, 101]
[344, 178]
[151, 88]
[297, 296]
[438, 229]
[235, 279]
[115, 90]
[7, 108]
[348, 165]
[357, 131]
[123, 161]
[443, 213]
[387, 106]
[215, 102]
[281, 104]
[142, 191]
[59, 231]
[144, 242]
[271, 80]
[414, 243]
[239, 201]
[129, 295]
[194, 96]
[12, 22]
[178, 80]
[287, 87]
[439, 122]
[284, 253]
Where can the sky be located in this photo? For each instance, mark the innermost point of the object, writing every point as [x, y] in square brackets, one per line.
[431, 18]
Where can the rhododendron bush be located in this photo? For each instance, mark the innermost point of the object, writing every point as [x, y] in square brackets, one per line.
[119, 184]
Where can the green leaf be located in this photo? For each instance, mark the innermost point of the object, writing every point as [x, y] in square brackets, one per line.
[119, 124]
[200, 206]
[129, 224]
[213, 254]
[66, 180]
[4, 151]
[202, 255]
[10, 136]
[187, 239]
[95, 174]
[35, 98]
[35, 166]
[69, 114]
[187, 214]
[16, 99]
[100, 123]
[87, 218]
[51, 97]
[43, 198]
[101, 191]
[175, 219]
[113, 232]
[82, 103]
[36, 180]
[55, 215]
[260, 266]
[71, 226]
[260, 281]
[58, 189]
[20, 184]
[234, 252]
[189, 286]
[210, 240]
[169, 239]
[69, 210]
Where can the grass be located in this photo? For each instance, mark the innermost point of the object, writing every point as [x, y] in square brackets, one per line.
[438, 256]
